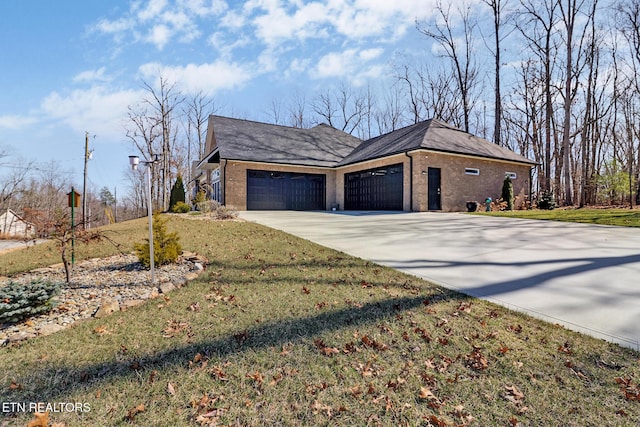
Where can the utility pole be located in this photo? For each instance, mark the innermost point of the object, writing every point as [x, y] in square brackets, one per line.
[87, 157]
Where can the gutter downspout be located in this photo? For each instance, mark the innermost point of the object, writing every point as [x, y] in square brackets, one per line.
[410, 181]
[531, 187]
[224, 183]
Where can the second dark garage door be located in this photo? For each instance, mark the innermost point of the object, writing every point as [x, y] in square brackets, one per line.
[268, 190]
[374, 189]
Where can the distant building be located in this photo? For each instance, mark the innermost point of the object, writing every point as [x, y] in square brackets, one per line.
[12, 225]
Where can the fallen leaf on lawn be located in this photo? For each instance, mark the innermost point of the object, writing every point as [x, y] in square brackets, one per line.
[102, 330]
[170, 389]
[426, 393]
[40, 419]
[513, 395]
[325, 349]
[173, 328]
[437, 421]
[241, 337]
[15, 386]
[276, 379]
[134, 411]
[565, 348]
[257, 377]
[476, 360]
[355, 390]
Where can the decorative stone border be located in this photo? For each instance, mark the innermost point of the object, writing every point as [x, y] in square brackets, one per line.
[100, 287]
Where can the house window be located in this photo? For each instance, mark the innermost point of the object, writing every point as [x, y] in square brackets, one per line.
[472, 171]
[511, 175]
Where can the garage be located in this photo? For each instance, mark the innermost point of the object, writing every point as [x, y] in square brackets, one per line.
[375, 189]
[272, 190]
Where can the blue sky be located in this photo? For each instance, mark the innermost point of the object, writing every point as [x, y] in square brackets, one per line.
[71, 66]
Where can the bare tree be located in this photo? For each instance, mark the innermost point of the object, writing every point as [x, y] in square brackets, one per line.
[497, 9]
[459, 50]
[198, 108]
[537, 25]
[154, 130]
[342, 109]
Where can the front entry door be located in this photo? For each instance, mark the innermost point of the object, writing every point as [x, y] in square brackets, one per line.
[434, 189]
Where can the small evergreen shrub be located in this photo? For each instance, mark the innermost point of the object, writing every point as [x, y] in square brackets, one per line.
[177, 193]
[201, 196]
[181, 207]
[507, 193]
[166, 246]
[547, 201]
[21, 301]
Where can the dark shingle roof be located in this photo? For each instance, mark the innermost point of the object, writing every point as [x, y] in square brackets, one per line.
[325, 146]
[321, 145]
[431, 135]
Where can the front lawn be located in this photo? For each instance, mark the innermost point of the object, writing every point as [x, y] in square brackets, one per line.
[618, 217]
[281, 331]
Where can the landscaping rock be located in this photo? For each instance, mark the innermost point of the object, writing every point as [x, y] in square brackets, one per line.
[21, 336]
[131, 303]
[180, 282]
[50, 328]
[119, 278]
[191, 276]
[166, 287]
[108, 306]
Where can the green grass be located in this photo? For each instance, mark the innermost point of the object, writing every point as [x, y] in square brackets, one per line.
[280, 331]
[618, 217]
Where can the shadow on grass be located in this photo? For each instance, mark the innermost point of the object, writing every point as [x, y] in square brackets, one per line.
[273, 334]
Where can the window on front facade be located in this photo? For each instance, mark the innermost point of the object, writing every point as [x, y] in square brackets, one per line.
[511, 175]
[472, 171]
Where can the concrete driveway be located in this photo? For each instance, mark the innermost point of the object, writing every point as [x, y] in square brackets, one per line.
[586, 277]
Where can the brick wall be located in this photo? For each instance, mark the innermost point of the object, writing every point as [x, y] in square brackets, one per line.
[236, 180]
[457, 187]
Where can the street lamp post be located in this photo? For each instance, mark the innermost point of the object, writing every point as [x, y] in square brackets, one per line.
[134, 161]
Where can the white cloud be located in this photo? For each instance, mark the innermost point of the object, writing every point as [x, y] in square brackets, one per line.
[98, 108]
[192, 78]
[204, 7]
[369, 54]
[114, 27]
[15, 122]
[153, 9]
[92, 76]
[159, 35]
[161, 21]
[233, 19]
[346, 64]
[277, 25]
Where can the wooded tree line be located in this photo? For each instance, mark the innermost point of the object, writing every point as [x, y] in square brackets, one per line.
[564, 80]
[38, 193]
[562, 77]
[554, 80]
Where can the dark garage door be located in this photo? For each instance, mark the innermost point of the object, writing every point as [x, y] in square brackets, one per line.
[267, 190]
[374, 189]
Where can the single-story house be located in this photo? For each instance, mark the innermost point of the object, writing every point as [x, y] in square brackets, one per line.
[13, 225]
[428, 166]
